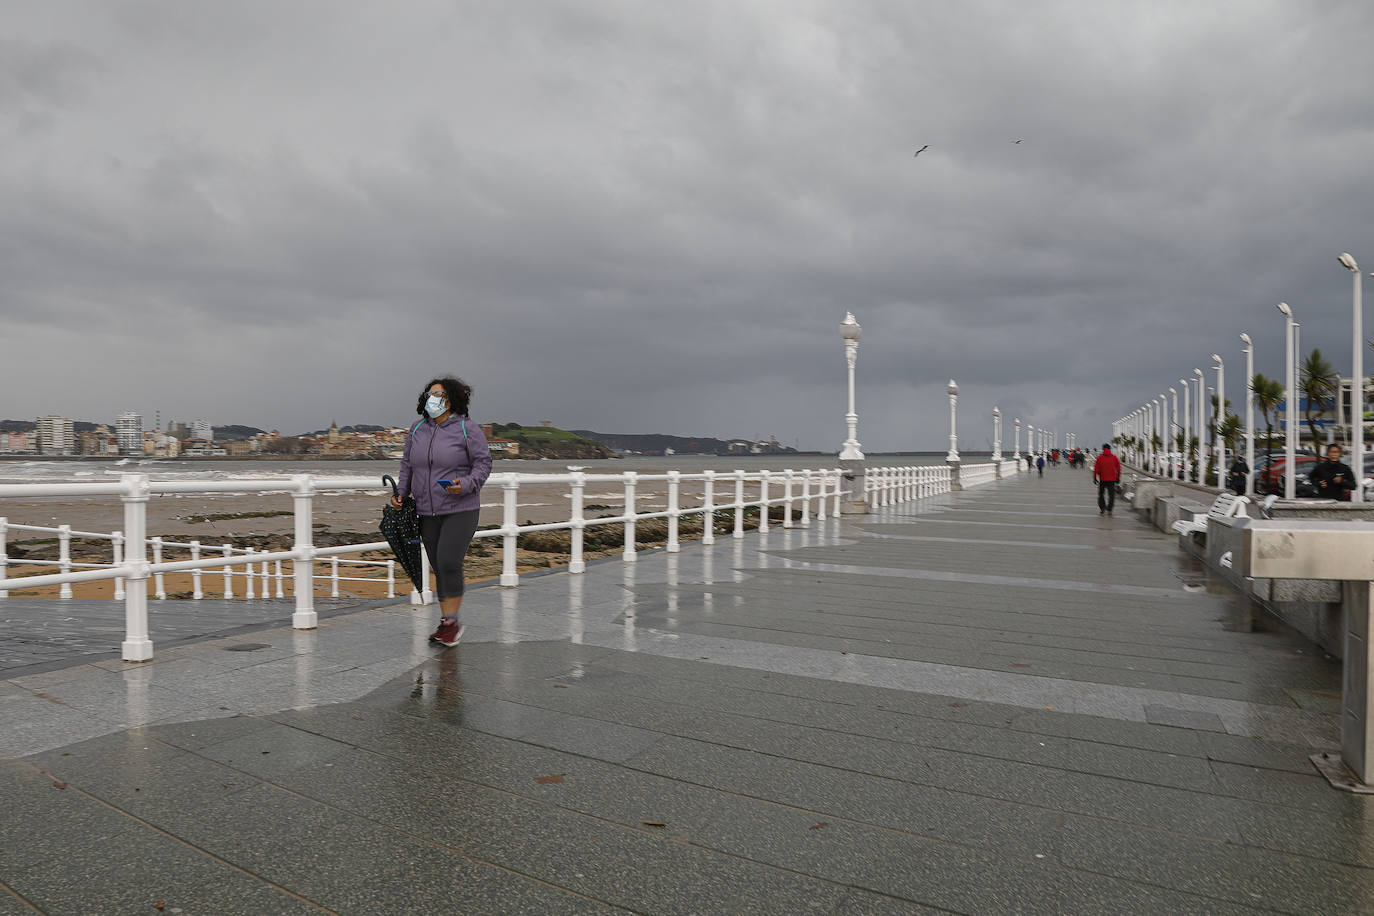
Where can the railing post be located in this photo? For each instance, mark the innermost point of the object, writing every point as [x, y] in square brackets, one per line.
[763, 501]
[248, 591]
[137, 646]
[303, 563]
[821, 478]
[806, 498]
[674, 510]
[629, 553]
[333, 577]
[196, 592]
[391, 578]
[739, 503]
[787, 498]
[280, 591]
[4, 557]
[510, 490]
[228, 570]
[708, 515]
[578, 523]
[427, 594]
[159, 583]
[117, 558]
[64, 558]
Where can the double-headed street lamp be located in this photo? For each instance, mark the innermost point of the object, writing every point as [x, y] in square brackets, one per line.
[1249, 414]
[1290, 410]
[1357, 380]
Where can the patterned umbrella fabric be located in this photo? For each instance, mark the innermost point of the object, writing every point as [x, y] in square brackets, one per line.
[401, 528]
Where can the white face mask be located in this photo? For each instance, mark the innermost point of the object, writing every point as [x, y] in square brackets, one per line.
[435, 406]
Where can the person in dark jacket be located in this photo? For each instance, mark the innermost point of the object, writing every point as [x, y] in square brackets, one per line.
[1237, 474]
[1333, 477]
[1106, 472]
[444, 465]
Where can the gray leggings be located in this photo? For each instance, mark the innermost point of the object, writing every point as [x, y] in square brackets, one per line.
[446, 539]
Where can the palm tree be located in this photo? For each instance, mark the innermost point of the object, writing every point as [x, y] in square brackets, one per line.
[1318, 383]
[1268, 395]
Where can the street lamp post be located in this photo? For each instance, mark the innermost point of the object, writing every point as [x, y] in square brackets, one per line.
[1187, 427]
[1357, 377]
[997, 438]
[1163, 433]
[851, 455]
[1220, 418]
[953, 435]
[1201, 409]
[1175, 466]
[1290, 403]
[1249, 414]
[850, 331]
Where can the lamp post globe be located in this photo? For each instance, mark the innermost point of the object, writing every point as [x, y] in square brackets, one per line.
[850, 331]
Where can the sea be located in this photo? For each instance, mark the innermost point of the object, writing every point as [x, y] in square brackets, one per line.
[76, 470]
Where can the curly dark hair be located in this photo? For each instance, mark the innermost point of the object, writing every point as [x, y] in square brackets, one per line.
[459, 394]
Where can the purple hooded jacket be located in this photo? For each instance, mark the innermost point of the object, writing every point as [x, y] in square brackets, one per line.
[453, 450]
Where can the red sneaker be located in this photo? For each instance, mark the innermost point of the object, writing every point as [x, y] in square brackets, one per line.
[449, 633]
[444, 622]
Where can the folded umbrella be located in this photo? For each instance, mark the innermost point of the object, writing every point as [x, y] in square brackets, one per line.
[401, 528]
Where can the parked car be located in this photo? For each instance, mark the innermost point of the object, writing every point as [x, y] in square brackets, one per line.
[1272, 469]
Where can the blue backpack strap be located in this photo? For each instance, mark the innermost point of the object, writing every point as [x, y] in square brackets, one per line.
[464, 423]
[415, 427]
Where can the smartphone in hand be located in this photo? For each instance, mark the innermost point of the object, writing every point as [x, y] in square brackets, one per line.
[447, 483]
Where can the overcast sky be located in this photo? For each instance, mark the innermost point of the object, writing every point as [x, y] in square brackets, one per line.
[644, 217]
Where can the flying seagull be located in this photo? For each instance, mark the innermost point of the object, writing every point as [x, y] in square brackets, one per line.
[1018, 141]
[921, 150]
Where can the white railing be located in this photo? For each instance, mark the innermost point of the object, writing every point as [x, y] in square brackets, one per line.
[887, 486]
[267, 576]
[972, 475]
[137, 558]
[813, 492]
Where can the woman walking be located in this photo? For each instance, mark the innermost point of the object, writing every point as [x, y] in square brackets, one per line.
[445, 463]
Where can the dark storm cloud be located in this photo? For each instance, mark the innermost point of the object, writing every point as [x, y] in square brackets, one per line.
[639, 217]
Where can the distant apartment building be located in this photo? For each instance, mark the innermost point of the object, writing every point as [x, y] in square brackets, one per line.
[201, 429]
[177, 430]
[17, 443]
[197, 447]
[129, 433]
[97, 443]
[56, 436]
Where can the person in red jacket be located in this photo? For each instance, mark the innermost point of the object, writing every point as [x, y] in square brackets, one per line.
[1106, 472]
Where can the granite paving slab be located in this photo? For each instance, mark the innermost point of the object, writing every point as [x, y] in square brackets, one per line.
[990, 701]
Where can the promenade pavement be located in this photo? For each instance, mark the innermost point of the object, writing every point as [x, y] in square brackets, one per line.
[995, 701]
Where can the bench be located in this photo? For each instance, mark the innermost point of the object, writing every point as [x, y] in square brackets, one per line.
[1227, 505]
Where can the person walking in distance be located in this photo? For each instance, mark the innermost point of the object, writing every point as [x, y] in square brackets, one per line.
[445, 463]
[1106, 472]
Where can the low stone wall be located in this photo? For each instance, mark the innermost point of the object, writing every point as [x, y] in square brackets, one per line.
[1310, 606]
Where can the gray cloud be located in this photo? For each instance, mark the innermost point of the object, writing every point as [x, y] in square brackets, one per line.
[639, 217]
